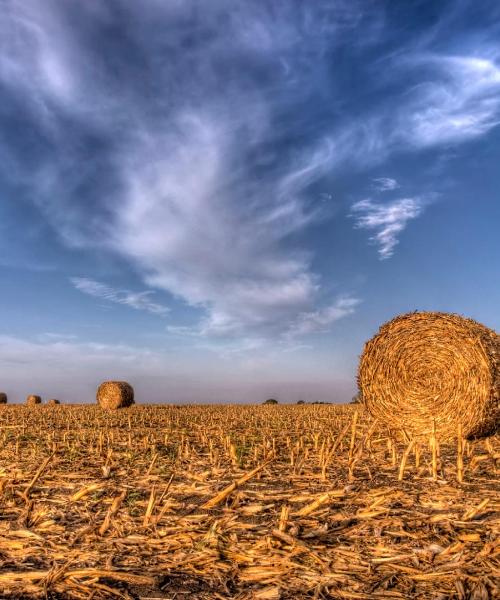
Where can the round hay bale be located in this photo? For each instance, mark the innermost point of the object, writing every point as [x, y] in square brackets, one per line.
[53, 402]
[115, 394]
[33, 400]
[430, 366]
[3, 398]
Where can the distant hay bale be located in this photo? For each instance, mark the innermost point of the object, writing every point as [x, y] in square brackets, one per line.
[33, 400]
[3, 398]
[427, 366]
[53, 402]
[115, 394]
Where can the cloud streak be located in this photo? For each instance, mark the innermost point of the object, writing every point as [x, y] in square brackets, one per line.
[136, 300]
[385, 184]
[321, 320]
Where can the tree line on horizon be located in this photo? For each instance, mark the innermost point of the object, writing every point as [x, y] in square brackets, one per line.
[355, 400]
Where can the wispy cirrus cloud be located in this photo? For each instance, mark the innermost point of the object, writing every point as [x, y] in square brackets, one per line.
[198, 151]
[387, 220]
[136, 300]
[385, 184]
[456, 99]
[447, 99]
[185, 191]
[322, 319]
[198, 238]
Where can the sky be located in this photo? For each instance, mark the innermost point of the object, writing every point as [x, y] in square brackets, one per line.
[222, 201]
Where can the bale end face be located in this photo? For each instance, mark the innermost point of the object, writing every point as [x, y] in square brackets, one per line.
[33, 400]
[430, 369]
[115, 394]
[3, 398]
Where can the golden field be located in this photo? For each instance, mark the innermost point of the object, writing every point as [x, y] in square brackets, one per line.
[242, 502]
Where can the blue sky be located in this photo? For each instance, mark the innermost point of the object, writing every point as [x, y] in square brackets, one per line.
[222, 201]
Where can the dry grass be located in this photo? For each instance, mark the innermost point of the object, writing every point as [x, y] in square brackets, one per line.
[241, 502]
[428, 370]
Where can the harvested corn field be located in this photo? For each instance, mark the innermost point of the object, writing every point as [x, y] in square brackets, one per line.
[242, 502]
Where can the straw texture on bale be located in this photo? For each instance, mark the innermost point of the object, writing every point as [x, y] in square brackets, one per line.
[53, 402]
[3, 398]
[115, 394]
[33, 400]
[426, 367]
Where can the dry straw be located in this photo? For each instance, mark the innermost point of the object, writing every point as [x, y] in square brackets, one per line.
[3, 398]
[53, 402]
[429, 366]
[33, 400]
[115, 394]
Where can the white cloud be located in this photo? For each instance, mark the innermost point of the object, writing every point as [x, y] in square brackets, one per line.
[457, 100]
[218, 241]
[385, 184]
[183, 206]
[321, 320]
[387, 220]
[136, 300]
[451, 99]
[194, 177]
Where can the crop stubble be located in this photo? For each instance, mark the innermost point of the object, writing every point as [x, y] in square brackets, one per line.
[241, 502]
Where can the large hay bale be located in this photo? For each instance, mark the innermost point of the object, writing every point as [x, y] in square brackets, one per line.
[53, 402]
[115, 394]
[426, 366]
[33, 400]
[3, 398]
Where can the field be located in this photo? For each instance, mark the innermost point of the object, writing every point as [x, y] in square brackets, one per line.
[242, 502]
